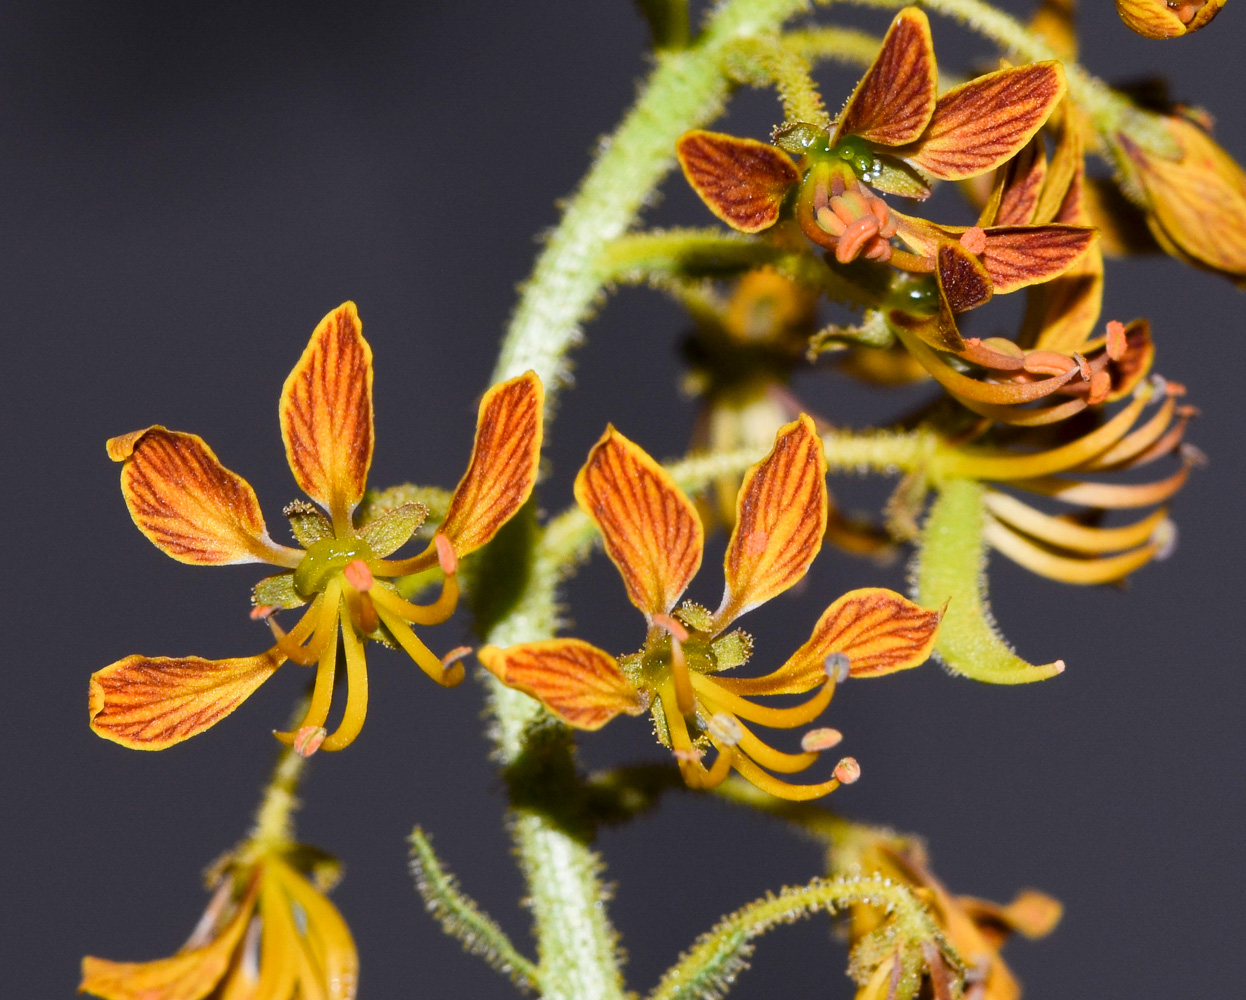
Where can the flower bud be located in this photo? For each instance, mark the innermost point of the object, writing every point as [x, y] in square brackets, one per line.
[1167, 18]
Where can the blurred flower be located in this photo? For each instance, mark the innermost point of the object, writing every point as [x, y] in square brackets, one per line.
[653, 535]
[268, 932]
[197, 511]
[1196, 203]
[1167, 18]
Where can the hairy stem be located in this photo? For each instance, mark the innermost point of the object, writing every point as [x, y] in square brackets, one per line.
[274, 819]
[688, 88]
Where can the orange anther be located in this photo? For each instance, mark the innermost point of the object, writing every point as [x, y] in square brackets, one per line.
[847, 770]
[262, 611]
[817, 740]
[308, 739]
[456, 654]
[692, 755]
[829, 221]
[973, 239]
[855, 237]
[358, 575]
[1117, 342]
[1047, 363]
[1100, 386]
[446, 556]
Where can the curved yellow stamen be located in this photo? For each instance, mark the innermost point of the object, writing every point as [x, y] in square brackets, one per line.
[996, 465]
[424, 658]
[1116, 496]
[1069, 535]
[780, 789]
[714, 689]
[356, 691]
[291, 643]
[421, 614]
[405, 567]
[1066, 569]
[326, 669]
[1022, 417]
[685, 697]
[677, 726]
[1136, 442]
[720, 769]
[766, 755]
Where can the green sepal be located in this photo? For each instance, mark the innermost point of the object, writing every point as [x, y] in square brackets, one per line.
[950, 568]
[377, 503]
[733, 649]
[893, 177]
[277, 592]
[308, 522]
[393, 529]
[697, 617]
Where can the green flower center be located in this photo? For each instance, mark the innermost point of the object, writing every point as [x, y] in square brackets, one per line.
[857, 154]
[324, 559]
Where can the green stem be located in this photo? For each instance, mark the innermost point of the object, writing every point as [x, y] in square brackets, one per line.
[273, 828]
[688, 88]
[845, 45]
[1111, 111]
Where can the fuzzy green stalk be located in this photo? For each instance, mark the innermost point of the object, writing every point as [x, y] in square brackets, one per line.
[576, 945]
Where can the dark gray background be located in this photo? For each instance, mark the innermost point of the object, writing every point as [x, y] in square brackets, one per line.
[188, 189]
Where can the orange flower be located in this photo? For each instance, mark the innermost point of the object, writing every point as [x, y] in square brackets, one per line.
[1167, 18]
[895, 135]
[268, 932]
[975, 928]
[1196, 204]
[651, 532]
[197, 511]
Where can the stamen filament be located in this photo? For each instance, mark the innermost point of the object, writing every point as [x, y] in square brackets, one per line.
[291, 643]
[405, 567]
[1067, 534]
[775, 718]
[356, 692]
[1067, 569]
[421, 654]
[1137, 441]
[1115, 496]
[780, 789]
[326, 670]
[685, 698]
[421, 614]
[1025, 417]
[766, 755]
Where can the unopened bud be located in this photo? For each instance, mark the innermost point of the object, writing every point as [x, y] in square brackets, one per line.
[726, 729]
[837, 666]
[847, 771]
[817, 740]
[308, 739]
[358, 575]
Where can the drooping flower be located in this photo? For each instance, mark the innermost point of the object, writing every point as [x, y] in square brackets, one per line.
[1167, 18]
[196, 510]
[653, 535]
[895, 135]
[1196, 203]
[975, 928]
[268, 932]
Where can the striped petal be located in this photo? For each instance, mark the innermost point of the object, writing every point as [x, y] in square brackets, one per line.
[189, 505]
[878, 630]
[985, 122]
[650, 528]
[326, 414]
[153, 702]
[1017, 256]
[503, 466]
[742, 181]
[895, 99]
[781, 513]
[579, 683]
[1164, 19]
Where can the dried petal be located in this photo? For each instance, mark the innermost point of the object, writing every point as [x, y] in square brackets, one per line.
[895, 99]
[1167, 18]
[189, 505]
[579, 683]
[326, 414]
[780, 518]
[650, 528]
[153, 702]
[964, 281]
[503, 466]
[742, 181]
[985, 122]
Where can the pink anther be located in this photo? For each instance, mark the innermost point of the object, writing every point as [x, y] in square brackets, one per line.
[855, 237]
[1117, 341]
[358, 575]
[847, 771]
[308, 739]
[817, 740]
[446, 556]
[263, 611]
[456, 654]
[673, 625]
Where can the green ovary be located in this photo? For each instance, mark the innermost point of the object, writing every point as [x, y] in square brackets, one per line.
[325, 558]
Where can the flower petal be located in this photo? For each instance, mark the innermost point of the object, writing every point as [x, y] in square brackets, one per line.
[964, 281]
[742, 181]
[1017, 256]
[985, 122]
[895, 99]
[153, 702]
[503, 466]
[1024, 177]
[579, 683]
[781, 513]
[649, 527]
[1160, 19]
[326, 414]
[189, 505]
[188, 975]
[326, 931]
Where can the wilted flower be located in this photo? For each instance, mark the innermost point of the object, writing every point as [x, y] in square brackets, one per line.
[1196, 203]
[1167, 18]
[197, 511]
[267, 932]
[653, 535]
